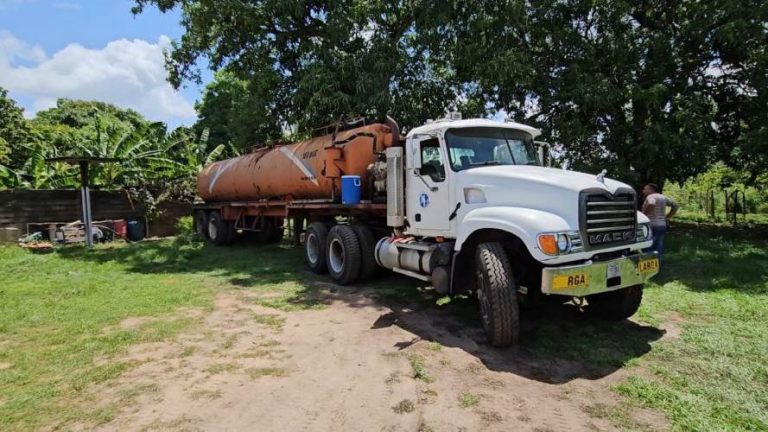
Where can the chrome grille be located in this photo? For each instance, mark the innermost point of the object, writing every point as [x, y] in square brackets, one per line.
[609, 220]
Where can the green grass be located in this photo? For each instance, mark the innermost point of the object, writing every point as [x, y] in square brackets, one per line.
[275, 322]
[420, 371]
[468, 400]
[714, 376]
[59, 332]
[218, 368]
[255, 373]
[59, 314]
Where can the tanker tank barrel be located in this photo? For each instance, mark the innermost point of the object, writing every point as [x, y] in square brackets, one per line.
[310, 169]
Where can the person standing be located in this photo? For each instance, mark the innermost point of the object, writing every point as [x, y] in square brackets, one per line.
[655, 207]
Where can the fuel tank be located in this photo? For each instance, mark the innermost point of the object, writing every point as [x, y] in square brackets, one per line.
[310, 169]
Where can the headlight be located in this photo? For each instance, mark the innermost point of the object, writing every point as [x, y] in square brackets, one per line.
[644, 232]
[560, 243]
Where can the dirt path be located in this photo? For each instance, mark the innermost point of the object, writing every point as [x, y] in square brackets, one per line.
[352, 366]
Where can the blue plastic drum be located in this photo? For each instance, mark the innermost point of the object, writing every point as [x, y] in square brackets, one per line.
[351, 188]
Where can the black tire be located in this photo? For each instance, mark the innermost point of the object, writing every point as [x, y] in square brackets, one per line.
[201, 223]
[368, 264]
[616, 305]
[315, 243]
[343, 255]
[497, 294]
[218, 229]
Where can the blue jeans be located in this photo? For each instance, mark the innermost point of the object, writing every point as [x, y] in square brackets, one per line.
[658, 240]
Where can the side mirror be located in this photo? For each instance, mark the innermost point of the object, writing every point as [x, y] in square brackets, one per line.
[416, 160]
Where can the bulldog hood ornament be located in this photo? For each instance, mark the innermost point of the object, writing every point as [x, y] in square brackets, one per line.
[601, 177]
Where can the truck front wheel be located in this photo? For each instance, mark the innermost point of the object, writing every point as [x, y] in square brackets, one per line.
[314, 247]
[616, 305]
[497, 294]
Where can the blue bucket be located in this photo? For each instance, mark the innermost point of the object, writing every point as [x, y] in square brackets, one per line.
[350, 189]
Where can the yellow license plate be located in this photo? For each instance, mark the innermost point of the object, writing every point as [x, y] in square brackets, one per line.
[648, 265]
[576, 280]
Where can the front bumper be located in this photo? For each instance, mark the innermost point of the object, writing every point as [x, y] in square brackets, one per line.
[596, 277]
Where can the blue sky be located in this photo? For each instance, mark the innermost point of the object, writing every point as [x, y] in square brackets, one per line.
[91, 49]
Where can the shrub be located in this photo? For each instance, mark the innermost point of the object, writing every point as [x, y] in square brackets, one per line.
[185, 225]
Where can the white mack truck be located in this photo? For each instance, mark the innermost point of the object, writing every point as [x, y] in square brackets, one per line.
[465, 205]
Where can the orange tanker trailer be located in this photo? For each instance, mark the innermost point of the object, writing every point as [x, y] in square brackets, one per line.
[310, 169]
[298, 182]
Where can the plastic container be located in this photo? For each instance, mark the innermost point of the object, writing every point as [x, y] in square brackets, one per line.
[135, 230]
[121, 228]
[351, 188]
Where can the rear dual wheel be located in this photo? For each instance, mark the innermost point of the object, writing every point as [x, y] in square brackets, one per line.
[201, 223]
[220, 231]
[346, 252]
[367, 241]
[343, 254]
[315, 243]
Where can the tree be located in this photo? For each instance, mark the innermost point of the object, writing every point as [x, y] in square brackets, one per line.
[651, 89]
[628, 86]
[309, 62]
[235, 113]
[13, 126]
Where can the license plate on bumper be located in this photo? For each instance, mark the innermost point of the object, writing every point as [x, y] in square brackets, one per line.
[597, 277]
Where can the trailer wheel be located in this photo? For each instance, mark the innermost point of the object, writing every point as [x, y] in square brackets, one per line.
[497, 294]
[314, 247]
[343, 256]
[368, 264]
[201, 223]
[218, 229]
[616, 305]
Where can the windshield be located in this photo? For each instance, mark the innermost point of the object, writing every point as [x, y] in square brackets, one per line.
[483, 146]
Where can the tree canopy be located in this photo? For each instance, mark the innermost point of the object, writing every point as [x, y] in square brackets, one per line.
[154, 163]
[651, 89]
[235, 112]
[13, 127]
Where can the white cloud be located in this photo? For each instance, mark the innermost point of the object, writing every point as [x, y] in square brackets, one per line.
[127, 73]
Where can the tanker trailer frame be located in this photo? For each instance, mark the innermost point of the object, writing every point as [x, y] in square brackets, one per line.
[465, 205]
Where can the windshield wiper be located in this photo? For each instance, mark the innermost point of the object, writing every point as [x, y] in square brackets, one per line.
[486, 163]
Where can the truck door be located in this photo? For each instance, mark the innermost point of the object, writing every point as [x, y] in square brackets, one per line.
[427, 192]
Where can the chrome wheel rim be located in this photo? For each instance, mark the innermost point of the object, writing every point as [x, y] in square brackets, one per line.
[313, 248]
[336, 255]
[213, 229]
